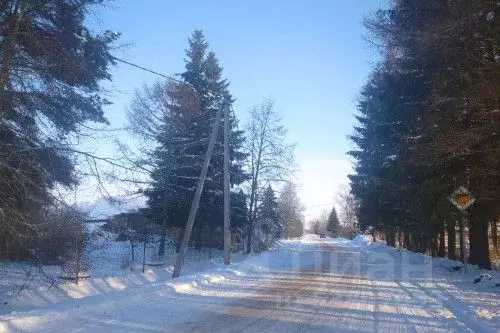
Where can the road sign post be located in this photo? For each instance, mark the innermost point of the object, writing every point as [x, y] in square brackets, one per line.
[462, 199]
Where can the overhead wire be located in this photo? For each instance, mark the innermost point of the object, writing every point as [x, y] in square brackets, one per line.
[151, 71]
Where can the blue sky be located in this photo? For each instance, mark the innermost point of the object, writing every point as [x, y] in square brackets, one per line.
[309, 56]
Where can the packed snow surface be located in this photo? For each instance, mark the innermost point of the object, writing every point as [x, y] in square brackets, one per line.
[303, 285]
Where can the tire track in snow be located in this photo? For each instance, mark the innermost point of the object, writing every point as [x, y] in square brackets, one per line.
[452, 304]
[435, 309]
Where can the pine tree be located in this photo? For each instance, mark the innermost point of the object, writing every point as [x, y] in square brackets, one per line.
[333, 223]
[182, 145]
[290, 211]
[50, 70]
[269, 226]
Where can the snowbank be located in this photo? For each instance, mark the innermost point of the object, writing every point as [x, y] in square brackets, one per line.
[356, 269]
[24, 287]
[362, 240]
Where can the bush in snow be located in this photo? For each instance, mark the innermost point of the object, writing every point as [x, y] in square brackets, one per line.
[63, 240]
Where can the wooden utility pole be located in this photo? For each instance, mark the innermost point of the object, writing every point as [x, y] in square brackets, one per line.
[227, 188]
[197, 194]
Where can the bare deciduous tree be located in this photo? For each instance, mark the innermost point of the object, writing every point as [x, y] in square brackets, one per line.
[348, 211]
[319, 225]
[270, 157]
[290, 209]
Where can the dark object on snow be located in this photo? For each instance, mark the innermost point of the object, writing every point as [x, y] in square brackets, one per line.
[497, 284]
[455, 268]
[322, 236]
[485, 276]
[72, 278]
[155, 264]
[122, 237]
[482, 277]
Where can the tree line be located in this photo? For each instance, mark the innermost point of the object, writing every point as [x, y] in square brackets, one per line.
[52, 67]
[429, 123]
[341, 224]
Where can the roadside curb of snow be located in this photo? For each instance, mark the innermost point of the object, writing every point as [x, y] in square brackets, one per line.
[43, 296]
[250, 265]
[194, 281]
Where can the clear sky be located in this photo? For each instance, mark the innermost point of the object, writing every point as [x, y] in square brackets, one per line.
[309, 56]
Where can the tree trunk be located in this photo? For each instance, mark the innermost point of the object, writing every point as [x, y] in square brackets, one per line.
[406, 241]
[179, 241]
[210, 242]
[161, 248]
[494, 234]
[434, 245]
[249, 236]
[9, 43]
[388, 238]
[462, 243]
[250, 217]
[479, 245]
[132, 247]
[424, 243]
[199, 240]
[442, 241]
[452, 240]
[144, 252]
[419, 243]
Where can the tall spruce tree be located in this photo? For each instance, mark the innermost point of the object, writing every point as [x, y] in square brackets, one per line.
[50, 70]
[269, 225]
[182, 143]
[333, 223]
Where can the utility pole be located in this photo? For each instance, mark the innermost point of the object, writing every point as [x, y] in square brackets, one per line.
[197, 194]
[227, 188]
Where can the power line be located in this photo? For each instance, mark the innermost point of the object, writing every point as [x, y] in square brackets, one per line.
[151, 71]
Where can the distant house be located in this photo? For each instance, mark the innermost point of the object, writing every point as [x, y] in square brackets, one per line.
[125, 221]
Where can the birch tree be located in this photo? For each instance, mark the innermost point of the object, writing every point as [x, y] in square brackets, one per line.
[270, 157]
[291, 211]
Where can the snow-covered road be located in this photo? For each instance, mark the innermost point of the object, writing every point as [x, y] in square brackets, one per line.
[312, 285]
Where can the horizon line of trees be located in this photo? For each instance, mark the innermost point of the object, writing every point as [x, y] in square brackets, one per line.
[429, 122]
[342, 222]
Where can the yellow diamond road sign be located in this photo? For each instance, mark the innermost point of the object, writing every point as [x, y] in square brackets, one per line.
[462, 198]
